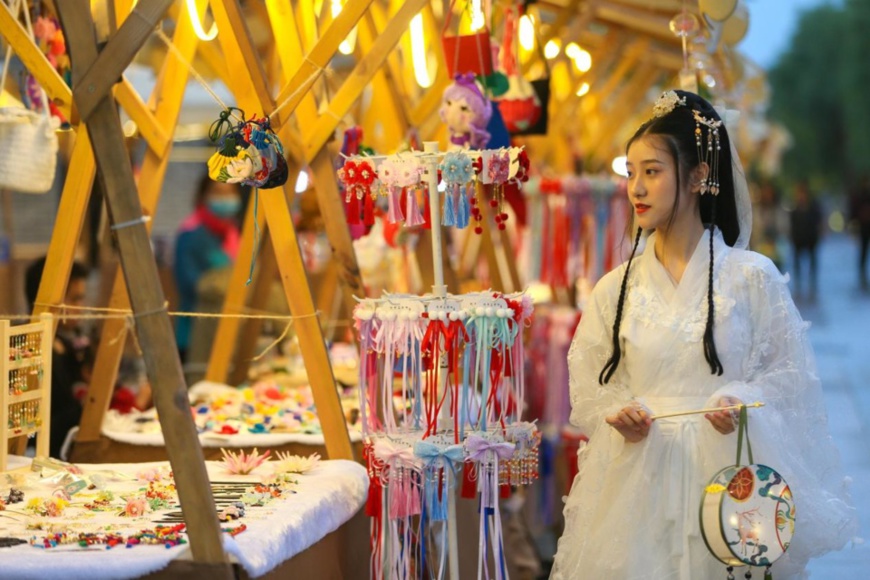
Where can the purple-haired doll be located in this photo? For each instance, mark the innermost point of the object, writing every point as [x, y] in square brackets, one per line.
[466, 112]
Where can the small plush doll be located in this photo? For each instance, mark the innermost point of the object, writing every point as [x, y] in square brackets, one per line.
[466, 112]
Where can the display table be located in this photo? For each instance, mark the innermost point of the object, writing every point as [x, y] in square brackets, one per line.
[278, 533]
[225, 417]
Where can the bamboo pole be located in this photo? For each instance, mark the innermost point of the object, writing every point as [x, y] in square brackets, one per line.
[170, 88]
[153, 326]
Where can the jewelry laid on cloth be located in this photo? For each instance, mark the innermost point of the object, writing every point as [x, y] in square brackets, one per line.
[747, 512]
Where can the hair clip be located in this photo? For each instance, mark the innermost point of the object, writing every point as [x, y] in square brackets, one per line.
[666, 103]
[457, 173]
[708, 151]
[357, 177]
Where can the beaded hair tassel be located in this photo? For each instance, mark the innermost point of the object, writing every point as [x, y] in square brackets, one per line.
[709, 146]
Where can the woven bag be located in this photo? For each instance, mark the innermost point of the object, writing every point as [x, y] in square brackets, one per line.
[28, 150]
[28, 142]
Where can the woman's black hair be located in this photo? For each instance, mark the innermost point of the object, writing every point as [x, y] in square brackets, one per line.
[676, 130]
[613, 361]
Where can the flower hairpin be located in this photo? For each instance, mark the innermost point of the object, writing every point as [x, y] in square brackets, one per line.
[357, 178]
[666, 103]
[499, 167]
[457, 171]
[456, 168]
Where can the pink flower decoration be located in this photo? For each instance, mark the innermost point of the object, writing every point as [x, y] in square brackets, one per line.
[136, 507]
[242, 463]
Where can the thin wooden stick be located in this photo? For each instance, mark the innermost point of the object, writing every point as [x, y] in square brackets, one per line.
[710, 410]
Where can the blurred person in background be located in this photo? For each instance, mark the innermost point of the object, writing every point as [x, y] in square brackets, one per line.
[859, 213]
[806, 230]
[72, 355]
[769, 224]
[208, 239]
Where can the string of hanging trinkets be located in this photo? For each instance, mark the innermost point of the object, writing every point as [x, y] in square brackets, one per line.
[441, 377]
[398, 184]
[414, 455]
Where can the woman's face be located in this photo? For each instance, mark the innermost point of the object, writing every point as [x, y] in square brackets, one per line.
[652, 183]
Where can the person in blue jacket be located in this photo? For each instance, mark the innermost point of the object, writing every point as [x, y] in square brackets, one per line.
[207, 239]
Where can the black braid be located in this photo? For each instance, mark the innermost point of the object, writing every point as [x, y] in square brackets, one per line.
[613, 361]
[709, 345]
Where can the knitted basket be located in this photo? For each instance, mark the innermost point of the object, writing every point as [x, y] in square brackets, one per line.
[28, 150]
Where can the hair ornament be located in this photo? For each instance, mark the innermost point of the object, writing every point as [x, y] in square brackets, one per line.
[666, 103]
[709, 146]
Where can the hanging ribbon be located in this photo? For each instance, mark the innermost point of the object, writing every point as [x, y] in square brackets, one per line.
[487, 455]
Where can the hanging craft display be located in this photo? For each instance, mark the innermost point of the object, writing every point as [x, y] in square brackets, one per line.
[249, 153]
[524, 106]
[399, 183]
[28, 142]
[467, 112]
[747, 511]
[466, 53]
[456, 364]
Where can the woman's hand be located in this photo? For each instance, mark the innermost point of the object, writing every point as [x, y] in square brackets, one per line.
[632, 422]
[725, 422]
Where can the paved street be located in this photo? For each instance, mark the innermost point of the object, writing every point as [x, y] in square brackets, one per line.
[840, 334]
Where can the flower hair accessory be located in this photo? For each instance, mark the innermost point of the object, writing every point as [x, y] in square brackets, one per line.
[456, 171]
[357, 177]
[666, 103]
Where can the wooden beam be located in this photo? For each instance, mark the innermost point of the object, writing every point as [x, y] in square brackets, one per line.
[318, 58]
[234, 301]
[334, 220]
[361, 76]
[242, 57]
[290, 51]
[322, 168]
[170, 87]
[68, 225]
[290, 264]
[266, 275]
[153, 326]
[113, 60]
[149, 127]
[35, 62]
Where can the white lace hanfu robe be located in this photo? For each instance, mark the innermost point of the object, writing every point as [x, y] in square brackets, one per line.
[633, 510]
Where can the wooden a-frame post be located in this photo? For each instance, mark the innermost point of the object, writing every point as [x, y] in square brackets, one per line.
[316, 135]
[93, 76]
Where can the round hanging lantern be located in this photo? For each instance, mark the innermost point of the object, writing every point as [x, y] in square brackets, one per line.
[747, 515]
[734, 29]
[717, 9]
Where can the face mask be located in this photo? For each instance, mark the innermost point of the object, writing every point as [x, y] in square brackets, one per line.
[224, 207]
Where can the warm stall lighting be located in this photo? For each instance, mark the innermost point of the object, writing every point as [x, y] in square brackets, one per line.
[552, 49]
[527, 32]
[583, 61]
[302, 182]
[418, 52]
[572, 50]
[130, 128]
[478, 20]
[619, 166]
[582, 89]
[348, 44]
[197, 25]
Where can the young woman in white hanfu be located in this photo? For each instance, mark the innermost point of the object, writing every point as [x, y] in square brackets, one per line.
[694, 321]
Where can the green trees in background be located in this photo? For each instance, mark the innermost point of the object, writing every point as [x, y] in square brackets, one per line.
[821, 94]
